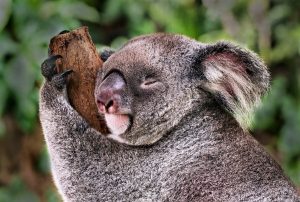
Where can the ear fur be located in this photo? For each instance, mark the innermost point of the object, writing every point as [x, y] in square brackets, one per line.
[236, 77]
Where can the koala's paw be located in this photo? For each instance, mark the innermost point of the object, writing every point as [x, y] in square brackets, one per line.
[49, 71]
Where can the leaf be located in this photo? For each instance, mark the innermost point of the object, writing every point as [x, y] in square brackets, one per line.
[5, 10]
[20, 76]
[76, 9]
[145, 27]
[112, 10]
[8, 46]
[278, 13]
[26, 114]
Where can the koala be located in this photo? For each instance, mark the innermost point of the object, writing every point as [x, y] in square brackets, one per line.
[177, 111]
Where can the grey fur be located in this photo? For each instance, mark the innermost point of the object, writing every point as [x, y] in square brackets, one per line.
[187, 147]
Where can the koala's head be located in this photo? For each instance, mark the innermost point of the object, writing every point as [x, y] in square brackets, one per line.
[151, 83]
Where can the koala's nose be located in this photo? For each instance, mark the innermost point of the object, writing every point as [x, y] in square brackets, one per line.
[108, 96]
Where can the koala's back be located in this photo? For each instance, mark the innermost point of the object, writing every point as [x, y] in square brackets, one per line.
[222, 167]
[227, 169]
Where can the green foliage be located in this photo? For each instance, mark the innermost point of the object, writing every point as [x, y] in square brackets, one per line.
[43, 164]
[269, 27]
[5, 6]
[24, 46]
[16, 191]
[267, 114]
[52, 196]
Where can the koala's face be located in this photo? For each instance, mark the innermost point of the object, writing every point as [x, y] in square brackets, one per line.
[143, 89]
[149, 85]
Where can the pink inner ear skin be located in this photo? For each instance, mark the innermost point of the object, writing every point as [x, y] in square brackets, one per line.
[229, 61]
[230, 65]
[229, 89]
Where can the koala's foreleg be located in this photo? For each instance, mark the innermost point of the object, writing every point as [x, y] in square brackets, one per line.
[64, 129]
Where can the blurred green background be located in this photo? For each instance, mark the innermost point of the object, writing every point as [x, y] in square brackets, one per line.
[269, 27]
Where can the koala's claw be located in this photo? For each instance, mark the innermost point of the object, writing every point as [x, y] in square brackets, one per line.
[49, 71]
[106, 54]
[60, 80]
[48, 67]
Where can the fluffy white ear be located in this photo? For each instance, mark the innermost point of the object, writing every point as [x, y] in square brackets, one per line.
[236, 77]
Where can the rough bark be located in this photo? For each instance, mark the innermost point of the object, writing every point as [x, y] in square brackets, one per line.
[79, 54]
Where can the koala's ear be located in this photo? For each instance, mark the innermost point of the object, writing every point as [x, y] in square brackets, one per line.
[105, 54]
[236, 77]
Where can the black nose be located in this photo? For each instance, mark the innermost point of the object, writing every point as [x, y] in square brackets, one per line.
[108, 95]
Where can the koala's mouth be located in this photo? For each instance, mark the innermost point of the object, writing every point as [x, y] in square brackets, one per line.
[118, 123]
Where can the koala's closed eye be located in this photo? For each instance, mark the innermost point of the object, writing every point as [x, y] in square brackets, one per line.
[150, 82]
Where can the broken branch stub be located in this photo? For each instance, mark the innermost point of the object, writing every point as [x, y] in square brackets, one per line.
[79, 54]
